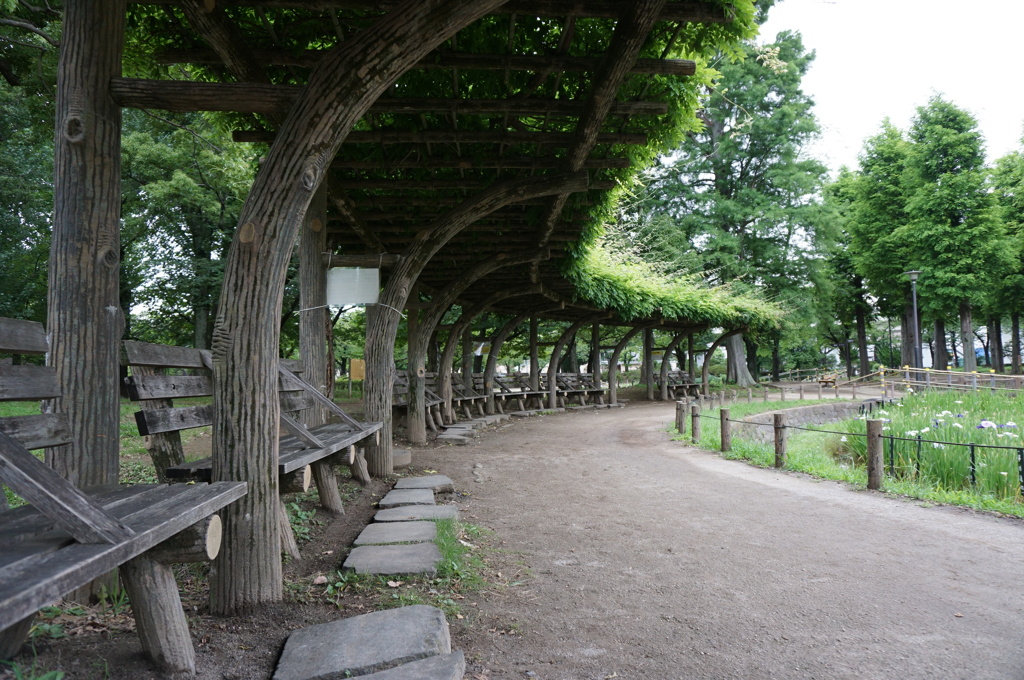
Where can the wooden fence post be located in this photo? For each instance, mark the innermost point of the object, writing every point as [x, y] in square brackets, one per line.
[681, 417]
[876, 462]
[801, 391]
[766, 395]
[779, 423]
[819, 391]
[695, 423]
[726, 433]
[853, 390]
[782, 394]
[750, 395]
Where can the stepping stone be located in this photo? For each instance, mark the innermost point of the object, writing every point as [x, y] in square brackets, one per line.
[445, 667]
[454, 439]
[398, 497]
[415, 558]
[397, 532]
[401, 458]
[461, 430]
[364, 644]
[412, 513]
[522, 414]
[436, 483]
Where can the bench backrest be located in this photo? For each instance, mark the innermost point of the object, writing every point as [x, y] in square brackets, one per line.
[30, 383]
[165, 372]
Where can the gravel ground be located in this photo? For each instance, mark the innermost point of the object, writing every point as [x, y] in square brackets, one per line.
[649, 559]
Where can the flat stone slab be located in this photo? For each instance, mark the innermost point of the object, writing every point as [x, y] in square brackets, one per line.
[460, 430]
[397, 532]
[414, 558]
[454, 439]
[436, 483]
[399, 497]
[445, 667]
[412, 513]
[364, 644]
[401, 457]
[522, 414]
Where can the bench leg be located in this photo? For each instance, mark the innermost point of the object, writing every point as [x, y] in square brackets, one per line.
[466, 411]
[499, 405]
[289, 546]
[159, 618]
[480, 407]
[428, 416]
[12, 638]
[327, 487]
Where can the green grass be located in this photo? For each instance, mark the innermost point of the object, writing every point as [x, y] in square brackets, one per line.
[940, 475]
[461, 572]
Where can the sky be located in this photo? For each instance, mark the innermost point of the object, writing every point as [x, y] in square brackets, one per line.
[878, 58]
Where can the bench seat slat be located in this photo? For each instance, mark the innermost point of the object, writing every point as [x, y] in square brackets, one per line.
[157, 386]
[37, 431]
[32, 586]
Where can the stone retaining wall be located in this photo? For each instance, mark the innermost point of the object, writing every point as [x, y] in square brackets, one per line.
[760, 429]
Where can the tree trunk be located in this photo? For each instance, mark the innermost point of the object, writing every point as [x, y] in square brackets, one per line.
[776, 358]
[848, 351]
[996, 344]
[952, 346]
[707, 358]
[594, 362]
[467, 356]
[1015, 343]
[940, 358]
[691, 355]
[556, 355]
[736, 370]
[967, 336]
[862, 340]
[753, 361]
[340, 89]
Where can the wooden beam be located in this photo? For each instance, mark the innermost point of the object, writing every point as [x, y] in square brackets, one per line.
[366, 260]
[344, 210]
[630, 34]
[508, 138]
[698, 12]
[472, 163]
[258, 97]
[427, 184]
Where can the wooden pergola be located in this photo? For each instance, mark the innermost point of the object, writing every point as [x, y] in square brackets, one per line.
[464, 146]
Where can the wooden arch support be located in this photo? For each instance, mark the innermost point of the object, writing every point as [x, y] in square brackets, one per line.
[665, 364]
[613, 363]
[245, 445]
[382, 327]
[556, 354]
[707, 358]
[428, 323]
[444, 367]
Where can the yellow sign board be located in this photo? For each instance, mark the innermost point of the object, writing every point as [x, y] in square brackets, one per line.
[356, 369]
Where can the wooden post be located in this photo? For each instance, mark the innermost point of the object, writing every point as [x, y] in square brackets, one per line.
[314, 332]
[534, 359]
[779, 424]
[159, 617]
[648, 363]
[613, 364]
[766, 395]
[695, 423]
[681, 417]
[726, 431]
[819, 392]
[594, 364]
[876, 462]
[416, 406]
[853, 391]
[801, 391]
[782, 394]
[467, 355]
[691, 359]
[750, 395]
[669, 350]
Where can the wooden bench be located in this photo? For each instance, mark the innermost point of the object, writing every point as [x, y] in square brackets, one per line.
[679, 384]
[574, 385]
[65, 538]
[461, 397]
[501, 393]
[827, 381]
[432, 402]
[162, 373]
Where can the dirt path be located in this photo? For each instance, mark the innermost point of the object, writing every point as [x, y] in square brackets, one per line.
[653, 560]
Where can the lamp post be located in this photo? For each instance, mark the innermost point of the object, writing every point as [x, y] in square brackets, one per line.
[918, 359]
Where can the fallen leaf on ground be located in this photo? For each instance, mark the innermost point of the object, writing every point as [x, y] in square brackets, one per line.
[395, 584]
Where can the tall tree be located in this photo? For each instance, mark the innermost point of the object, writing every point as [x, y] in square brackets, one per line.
[959, 242]
[1008, 187]
[736, 200]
